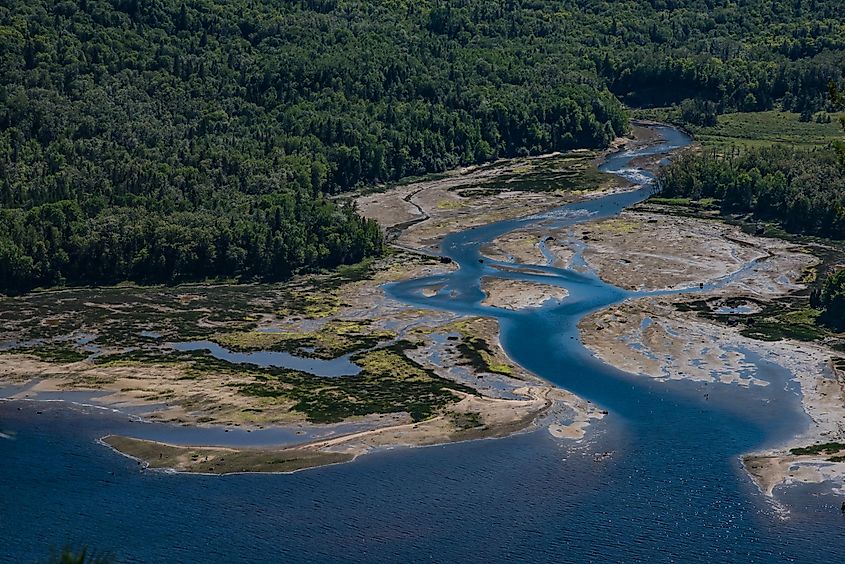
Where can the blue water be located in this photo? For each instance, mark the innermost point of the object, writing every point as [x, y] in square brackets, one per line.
[340, 366]
[671, 488]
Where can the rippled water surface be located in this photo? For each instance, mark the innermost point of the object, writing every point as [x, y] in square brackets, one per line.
[669, 489]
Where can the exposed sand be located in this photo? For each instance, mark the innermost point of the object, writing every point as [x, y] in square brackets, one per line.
[642, 251]
[418, 214]
[651, 337]
[823, 389]
[175, 394]
[771, 470]
[521, 246]
[518, 294]
[513, 399]
[472, 418]
[166, 390]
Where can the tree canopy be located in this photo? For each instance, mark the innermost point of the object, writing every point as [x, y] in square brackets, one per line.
[831, 298]
[166, 140]
[802, 189]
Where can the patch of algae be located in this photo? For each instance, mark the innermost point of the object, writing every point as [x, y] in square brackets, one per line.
[450, 205]
[335, 338]
[389, 382]
[312, 305]
[617, 226]
[475, 348]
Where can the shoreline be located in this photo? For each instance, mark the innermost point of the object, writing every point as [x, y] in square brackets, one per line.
[584, 413]
[338, 449]
[768, 469]
[677, 336]
[494, 424]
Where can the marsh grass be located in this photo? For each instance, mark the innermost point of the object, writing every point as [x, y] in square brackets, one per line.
[389, 382]
[824, 448]
[754, 129]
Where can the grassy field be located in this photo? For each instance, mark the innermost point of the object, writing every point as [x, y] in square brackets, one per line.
[768, 128]
[756, 129]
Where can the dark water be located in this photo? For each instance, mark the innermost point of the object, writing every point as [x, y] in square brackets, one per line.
[671, 489]
[340, 366]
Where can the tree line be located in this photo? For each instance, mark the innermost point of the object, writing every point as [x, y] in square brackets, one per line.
[802, 189]
[830, 297]
[180, 139]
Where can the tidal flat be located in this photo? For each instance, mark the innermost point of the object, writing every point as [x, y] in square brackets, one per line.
[330, 353]
[419, 375]
[355, 369]
[749, 303]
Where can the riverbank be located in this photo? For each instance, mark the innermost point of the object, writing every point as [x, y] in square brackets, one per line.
[237, 356]
[735, 275]
[419, 214]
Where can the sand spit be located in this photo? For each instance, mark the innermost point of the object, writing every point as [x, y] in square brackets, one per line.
[770, 471]
[471, 418]
[518, 294]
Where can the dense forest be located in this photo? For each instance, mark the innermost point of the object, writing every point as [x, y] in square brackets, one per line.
[830, 298]
[167, 140]
[802, 189]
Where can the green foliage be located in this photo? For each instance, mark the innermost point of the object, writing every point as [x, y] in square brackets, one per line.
[173, 140]
[782, 327]
[825, 448]
[70, 556]
[465, 421]
[837, 98]
[389, 382]
[762, 129]
[478, 355]
[792, 317]
[703, 204]
[830, 297]
[803, 190]
[699, 112]
[185, 139]
[741, 56]
[56, 353]
[335, 338]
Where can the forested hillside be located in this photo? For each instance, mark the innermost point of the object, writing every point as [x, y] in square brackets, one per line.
[167, 140]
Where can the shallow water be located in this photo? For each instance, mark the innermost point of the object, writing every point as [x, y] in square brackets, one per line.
[657, 480]
[340, 366]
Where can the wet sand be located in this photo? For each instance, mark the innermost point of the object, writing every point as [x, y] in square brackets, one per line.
[518, 294]
[656, 338]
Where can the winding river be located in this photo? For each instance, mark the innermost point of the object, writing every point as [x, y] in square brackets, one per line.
[671, 488]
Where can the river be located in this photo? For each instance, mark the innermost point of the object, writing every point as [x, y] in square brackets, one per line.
[670, 487]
